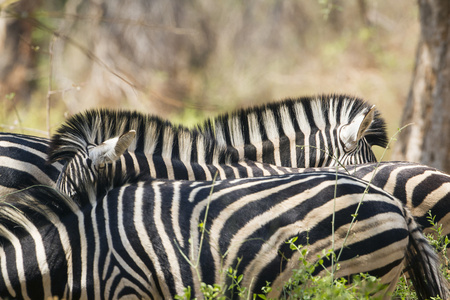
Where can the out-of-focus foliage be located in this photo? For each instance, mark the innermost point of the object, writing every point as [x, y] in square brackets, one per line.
[186, 60]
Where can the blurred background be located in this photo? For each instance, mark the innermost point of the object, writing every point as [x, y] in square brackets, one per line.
[189, 60]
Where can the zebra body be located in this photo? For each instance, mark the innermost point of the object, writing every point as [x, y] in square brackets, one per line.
[420, 188]
[23, 159]
[134, 241]
[344, 126]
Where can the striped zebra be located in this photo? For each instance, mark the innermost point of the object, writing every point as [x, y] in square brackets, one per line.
[23, 158]
[344, 126]
[136, 240]
[396, 177]
[19, 152]
[420, 188]
[326, 126]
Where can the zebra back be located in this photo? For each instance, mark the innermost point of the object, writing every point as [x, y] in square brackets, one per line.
[101, 247]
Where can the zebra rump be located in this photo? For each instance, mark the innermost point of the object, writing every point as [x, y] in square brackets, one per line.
[137, 240]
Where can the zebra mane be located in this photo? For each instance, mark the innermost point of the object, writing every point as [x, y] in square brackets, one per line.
[209, 142]
[154, 136]
[261, 121]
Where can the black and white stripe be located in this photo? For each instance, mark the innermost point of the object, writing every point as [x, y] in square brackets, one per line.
[23, 159]
[323, 125]
[303, 132]
[343, 127]
[419, 187]
[422, 189]
[129, 243]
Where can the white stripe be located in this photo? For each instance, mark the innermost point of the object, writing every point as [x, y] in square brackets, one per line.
[124, 238]
[220, 135]
[83, 250]
[255, 135]
[185, 146]
[319, 119]
[172, 262]
[201, 155]
[236, 137]
[107, 263]
[305, 128]
[248, 169]
[19, 259]
[135, 163]
[5, 275]
[175, 211]
[317, 149]
[144, 238]
[289, 130]
[150, 139]
[27, 168]
[7, 144]
[95, 271]
[169, 167]
[272, 133]
[167, 146]
[221, 171]
[346, 106]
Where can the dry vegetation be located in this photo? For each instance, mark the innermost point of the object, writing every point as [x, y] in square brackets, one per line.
[187, 61]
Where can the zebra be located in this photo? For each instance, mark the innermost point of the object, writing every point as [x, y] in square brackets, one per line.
[167, 161]
[140, 239]
[335, 122]
[423, 189]
[336, 125]
[23, 158]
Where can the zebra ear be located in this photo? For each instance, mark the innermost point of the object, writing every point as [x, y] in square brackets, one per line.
[353, 132]
[110, 150]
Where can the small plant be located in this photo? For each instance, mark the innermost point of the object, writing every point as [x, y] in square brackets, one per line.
[437, 239]
[303, 284]
[440, 242]
[404, 289]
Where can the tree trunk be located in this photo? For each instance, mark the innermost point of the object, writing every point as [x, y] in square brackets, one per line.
[17, 58]
[427, 140]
